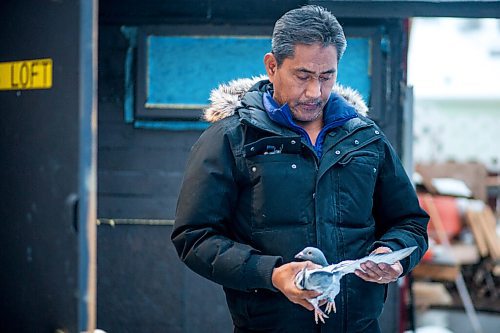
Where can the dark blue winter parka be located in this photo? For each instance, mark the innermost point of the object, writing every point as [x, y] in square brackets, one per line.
[255, 193]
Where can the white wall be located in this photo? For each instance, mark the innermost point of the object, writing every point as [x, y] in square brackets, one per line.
[459, 131]
[454, 66]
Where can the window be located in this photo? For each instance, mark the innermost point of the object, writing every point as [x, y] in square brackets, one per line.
[177, 67]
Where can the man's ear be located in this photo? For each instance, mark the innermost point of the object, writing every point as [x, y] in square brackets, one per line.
[271, 65]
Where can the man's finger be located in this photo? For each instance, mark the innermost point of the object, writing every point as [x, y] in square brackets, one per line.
[308, 294]
[370, 278]
[387, 269]
[382, 249]
[363, 275]
[372, 270]
[305, 304]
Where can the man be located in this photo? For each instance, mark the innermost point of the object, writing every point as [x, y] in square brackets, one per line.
[289, 163]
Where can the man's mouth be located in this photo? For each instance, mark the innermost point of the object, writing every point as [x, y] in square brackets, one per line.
[310, 106]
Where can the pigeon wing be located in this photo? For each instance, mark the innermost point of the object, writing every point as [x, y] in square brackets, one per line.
[349, 266]
[317, 279]
[391, 257]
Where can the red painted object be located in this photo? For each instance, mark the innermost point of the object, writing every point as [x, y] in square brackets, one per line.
[448, 213]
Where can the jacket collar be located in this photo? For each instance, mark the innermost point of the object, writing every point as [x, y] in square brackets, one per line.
[227, 98]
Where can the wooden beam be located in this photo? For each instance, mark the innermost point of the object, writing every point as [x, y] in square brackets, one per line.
[472, 218]
[439, 272]
[489, 228]
[404, 9]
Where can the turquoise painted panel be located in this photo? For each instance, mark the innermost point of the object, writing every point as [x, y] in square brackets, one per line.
[354, 67]
[181, 71]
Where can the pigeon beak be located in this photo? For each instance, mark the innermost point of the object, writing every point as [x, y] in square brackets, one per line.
[299, 255]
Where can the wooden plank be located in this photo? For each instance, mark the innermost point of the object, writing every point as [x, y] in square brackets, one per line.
[129, 12]
[493, 181]
[472, 174]
[139, 159]
[139, 183]
[465, 254]
[496, 270]
[164, 290]
[474, 223]
[439, 272]
[430, 293]
[488, 223]
[137, 207]
[125, 135]
[110, 112]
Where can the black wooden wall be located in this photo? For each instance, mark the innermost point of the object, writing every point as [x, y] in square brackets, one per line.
[142, 286]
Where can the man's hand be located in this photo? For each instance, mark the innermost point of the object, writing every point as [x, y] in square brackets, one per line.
[283, 279]
[381, 273]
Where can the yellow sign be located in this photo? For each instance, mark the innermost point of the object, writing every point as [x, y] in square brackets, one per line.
[26, 74]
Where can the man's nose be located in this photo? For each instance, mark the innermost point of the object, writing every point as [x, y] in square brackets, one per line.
[313, 89]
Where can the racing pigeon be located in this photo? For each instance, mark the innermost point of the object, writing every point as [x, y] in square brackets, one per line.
[313, 254]
[326, 280]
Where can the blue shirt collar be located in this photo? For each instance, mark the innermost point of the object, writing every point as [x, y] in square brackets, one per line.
[337, 112]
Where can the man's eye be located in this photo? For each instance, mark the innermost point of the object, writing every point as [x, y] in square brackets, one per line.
[303, 78]
[325, 78]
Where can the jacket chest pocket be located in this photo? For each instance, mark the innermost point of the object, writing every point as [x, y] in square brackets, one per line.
[355, 176]
[282, 185]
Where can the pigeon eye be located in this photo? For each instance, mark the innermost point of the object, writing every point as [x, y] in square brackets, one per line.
[309, 253]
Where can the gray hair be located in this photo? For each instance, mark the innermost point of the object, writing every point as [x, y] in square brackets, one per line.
[306, 25]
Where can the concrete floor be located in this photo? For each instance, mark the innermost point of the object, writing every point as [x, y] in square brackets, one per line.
[456, 321]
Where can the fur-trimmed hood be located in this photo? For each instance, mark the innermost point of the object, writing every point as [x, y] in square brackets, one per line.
[227, 98]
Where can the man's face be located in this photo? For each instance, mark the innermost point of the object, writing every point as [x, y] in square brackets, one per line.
[304, 81]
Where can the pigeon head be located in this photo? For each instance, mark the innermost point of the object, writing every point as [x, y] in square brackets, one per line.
[312, 254]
